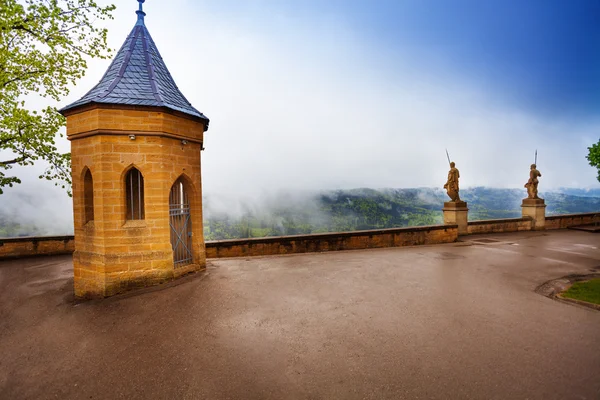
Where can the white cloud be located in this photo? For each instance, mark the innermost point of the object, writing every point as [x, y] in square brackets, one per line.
[299, 105]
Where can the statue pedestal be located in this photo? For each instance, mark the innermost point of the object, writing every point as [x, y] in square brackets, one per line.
[456, 213]
[536, 210]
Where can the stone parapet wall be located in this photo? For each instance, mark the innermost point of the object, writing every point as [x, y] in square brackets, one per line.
[41, 246]
[500, 225]
[36, 246]
[393, 237]
[566, 220]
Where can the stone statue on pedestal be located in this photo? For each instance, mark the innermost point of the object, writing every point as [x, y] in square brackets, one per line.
[455, 211]
[533, 207]
[532, 183]
[451, 185]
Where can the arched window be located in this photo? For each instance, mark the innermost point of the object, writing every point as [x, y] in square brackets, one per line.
[181, 224]
[134, 189]
[88, 196]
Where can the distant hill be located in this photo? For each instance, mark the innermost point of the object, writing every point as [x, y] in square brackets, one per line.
[358, 209]
[579, 192]
[10, 227]
[14, 222]
[489, 203]
[329, 211]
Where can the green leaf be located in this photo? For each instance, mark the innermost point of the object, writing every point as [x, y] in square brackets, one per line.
[44, 47]
[594, 157]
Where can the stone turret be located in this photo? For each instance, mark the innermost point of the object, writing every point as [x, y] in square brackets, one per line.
[137, 197]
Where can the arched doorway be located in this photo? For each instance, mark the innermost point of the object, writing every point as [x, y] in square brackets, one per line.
[181, 224]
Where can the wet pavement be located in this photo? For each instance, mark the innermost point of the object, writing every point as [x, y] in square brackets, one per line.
[458, 321]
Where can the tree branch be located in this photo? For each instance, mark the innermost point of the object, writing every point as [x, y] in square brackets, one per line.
[23, 76]
[13, 161]
[5, 141]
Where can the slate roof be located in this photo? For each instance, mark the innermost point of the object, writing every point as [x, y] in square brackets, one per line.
[138, 76]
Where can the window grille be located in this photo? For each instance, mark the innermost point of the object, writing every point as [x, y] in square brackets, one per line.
[181, 224]
[134, 189]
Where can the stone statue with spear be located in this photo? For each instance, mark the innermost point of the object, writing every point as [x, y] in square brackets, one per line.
[532, 183]
[451, 185]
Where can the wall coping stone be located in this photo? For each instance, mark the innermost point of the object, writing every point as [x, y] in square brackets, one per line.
[324, 235]
[328, 235]
[499, 221]
[578, 215]
[64, 238]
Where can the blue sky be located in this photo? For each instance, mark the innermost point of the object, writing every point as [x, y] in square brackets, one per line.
[545, 54]
[466, 74]
[541, 54]
[498, 77]
[307, 95]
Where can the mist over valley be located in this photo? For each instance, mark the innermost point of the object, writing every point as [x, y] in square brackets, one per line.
[293, 212]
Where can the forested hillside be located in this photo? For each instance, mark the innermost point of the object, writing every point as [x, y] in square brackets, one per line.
[329, 211]
[358, 209]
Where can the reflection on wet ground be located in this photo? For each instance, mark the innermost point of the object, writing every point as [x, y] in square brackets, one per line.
[448, 321]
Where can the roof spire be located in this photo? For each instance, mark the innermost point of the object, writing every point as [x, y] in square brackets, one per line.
[140, 13]
[138, 76]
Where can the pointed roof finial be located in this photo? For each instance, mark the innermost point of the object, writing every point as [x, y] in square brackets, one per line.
[140, 13]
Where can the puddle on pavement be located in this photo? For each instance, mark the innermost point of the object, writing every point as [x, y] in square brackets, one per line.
[447, 256]
[490, 241]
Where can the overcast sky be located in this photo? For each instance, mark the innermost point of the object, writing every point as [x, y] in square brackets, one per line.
[355, 93]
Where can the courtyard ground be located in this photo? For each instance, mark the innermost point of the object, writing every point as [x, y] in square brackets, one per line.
[455, 321]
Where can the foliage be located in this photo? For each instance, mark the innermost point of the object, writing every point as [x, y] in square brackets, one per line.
[587, 291]
[342, 210]
[361, 209]
[594, 157]
[44, 47]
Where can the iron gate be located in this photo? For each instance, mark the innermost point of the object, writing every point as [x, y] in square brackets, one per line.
[181, 224]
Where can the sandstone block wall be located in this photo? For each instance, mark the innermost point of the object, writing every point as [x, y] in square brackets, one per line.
[112, 119]
[394, 237]
[28, 246]
[36, 246]
[113, 254]
[565, 220]
[500, 225]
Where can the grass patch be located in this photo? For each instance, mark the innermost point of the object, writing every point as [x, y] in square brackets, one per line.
[587, 291]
